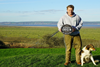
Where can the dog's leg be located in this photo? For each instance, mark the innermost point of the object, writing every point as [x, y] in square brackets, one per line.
[81, 60]
[93, 60]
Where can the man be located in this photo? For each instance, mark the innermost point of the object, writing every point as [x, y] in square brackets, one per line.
[75, 21]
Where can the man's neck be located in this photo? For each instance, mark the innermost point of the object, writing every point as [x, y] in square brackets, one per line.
[70, 14]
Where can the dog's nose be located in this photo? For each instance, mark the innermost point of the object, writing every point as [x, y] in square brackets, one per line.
[94, 49]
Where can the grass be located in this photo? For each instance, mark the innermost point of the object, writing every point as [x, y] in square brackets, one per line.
[38, 32]
[34, 36]
[90, 33]
[42, 57]
[26, 32]
[48, 57]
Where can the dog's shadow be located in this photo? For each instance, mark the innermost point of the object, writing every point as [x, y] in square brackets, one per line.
[97, 57]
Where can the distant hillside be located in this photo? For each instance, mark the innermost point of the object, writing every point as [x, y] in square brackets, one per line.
[43, 23]
[28, 23]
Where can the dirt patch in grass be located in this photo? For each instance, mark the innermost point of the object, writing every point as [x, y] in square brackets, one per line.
[46, 42]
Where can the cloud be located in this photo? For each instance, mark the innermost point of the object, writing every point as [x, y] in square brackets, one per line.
[80, 10]
[51, 10]
[28, 13]
[16, 14]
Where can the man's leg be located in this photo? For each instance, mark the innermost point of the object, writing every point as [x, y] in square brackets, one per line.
[68, 46]
[78, 46]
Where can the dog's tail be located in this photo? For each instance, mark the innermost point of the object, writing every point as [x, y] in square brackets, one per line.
[96, 61]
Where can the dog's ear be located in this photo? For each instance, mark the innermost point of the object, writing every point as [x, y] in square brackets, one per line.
[91, 45]
[82, 51]
[87, 47]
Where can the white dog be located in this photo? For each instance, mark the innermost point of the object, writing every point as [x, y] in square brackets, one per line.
[86, 55]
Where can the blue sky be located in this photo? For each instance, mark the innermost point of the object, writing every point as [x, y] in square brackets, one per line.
[47, 10]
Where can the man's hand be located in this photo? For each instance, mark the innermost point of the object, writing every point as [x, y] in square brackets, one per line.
[73, 29]
[60, 30]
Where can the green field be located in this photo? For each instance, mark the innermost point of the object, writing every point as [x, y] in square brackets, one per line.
[26, 32]
[38, 32]
[34, 36]
[42, 57]
[36, 57]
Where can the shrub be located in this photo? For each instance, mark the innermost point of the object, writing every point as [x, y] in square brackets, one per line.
[2, 45]
[52, 41]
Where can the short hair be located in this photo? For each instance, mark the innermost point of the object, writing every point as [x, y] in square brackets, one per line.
[71, 6]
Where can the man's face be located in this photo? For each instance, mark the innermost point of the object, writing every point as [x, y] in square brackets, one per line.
[70, 11]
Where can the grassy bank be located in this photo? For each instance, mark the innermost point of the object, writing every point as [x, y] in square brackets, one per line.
[48, 57]
[36, 36]
[38, 32]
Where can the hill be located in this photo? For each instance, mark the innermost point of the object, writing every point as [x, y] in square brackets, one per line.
[46, 23]
[33, 23]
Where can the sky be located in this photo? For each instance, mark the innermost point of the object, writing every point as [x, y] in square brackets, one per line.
[47, 10]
